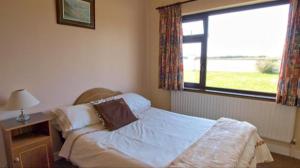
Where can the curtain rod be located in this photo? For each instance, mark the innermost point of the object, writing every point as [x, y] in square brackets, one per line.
[178, 3]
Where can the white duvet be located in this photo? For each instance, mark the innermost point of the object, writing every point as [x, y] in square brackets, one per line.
[155, 140]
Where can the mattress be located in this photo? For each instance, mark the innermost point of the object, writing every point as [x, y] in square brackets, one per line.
[155, 140]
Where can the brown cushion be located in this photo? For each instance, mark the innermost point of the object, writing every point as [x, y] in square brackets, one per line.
[115, 114]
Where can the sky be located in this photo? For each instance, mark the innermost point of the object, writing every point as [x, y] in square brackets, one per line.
[249, 33]
[253, 32]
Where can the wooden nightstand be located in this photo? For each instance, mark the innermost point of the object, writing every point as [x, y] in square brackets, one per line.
[28, 144]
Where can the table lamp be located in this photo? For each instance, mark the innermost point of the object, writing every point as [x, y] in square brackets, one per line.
[20, 100]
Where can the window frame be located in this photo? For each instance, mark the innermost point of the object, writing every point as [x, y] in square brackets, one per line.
[202, 38]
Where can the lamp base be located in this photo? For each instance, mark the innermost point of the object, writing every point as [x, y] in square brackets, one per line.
[23, 118]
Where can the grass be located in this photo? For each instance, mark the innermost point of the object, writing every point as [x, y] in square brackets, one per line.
[253, 81]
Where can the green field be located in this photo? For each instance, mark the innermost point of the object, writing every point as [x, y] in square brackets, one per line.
[253, 81]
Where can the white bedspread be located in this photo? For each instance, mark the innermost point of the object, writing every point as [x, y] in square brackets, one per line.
[155, 140]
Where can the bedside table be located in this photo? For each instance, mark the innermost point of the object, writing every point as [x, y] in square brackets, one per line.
[28, 144]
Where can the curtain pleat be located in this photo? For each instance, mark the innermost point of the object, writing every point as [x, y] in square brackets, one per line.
[170, 49]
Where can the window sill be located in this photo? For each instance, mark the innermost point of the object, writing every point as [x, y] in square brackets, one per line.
[232, 94]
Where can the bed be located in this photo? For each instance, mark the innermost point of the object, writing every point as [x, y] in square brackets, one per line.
[162, 138]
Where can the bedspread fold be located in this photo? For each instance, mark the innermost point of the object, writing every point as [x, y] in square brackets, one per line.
[221, 146]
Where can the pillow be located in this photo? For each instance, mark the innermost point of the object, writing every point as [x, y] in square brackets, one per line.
[104, 100]
[115, 114]
[136, 103]
[75, 117]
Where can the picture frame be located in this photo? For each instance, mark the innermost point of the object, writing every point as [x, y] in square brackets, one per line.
[79, 13]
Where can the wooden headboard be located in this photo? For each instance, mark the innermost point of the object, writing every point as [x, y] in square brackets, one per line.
[95, 94]
[92, 95]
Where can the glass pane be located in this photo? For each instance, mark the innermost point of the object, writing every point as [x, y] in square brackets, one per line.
[192, 28]
[191, 62]
[245, 49]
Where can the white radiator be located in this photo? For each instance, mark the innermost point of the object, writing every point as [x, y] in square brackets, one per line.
[272, 120]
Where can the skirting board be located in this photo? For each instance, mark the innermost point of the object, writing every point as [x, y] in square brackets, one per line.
[287, 150]
[296, 154]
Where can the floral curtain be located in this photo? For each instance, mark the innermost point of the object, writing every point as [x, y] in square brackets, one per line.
[170, 49]
[288, 92]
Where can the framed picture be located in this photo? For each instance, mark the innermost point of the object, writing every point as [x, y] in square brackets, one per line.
[76, 13]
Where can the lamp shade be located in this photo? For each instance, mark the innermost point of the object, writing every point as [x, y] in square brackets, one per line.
[21, 99]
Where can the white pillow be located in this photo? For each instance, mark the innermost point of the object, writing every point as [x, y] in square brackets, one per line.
[95, 102]
[79, 116]
[136, 103]
[75, 117]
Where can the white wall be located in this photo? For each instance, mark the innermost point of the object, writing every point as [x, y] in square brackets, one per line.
[56, 63]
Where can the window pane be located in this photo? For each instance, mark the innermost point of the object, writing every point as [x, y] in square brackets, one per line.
[191, 62]
[245, 49]
[192, 28]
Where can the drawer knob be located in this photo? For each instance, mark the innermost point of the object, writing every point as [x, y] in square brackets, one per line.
[17, 159]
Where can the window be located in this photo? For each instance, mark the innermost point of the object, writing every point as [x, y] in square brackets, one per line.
[191, 60]
[193, 28]
[235, 50]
